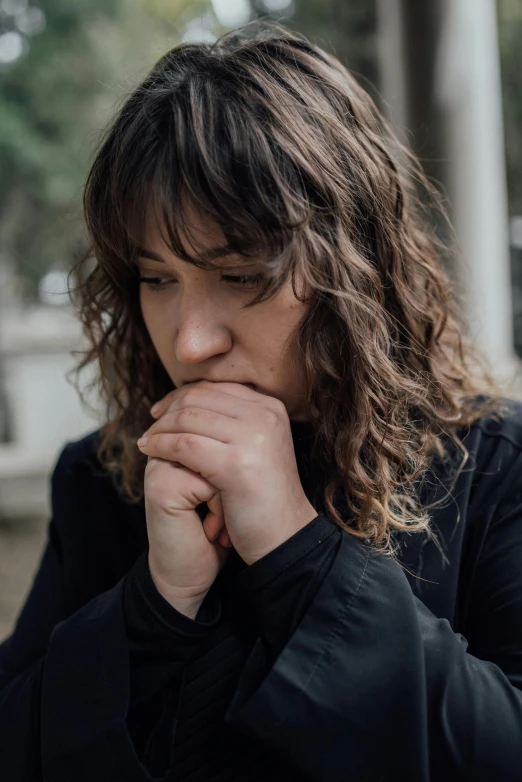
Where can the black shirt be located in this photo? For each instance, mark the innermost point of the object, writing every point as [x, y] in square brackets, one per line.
[323, 660]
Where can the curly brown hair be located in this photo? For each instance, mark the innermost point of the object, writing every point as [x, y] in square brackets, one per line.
[275, 140]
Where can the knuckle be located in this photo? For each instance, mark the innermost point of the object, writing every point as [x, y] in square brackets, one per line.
[184, 441]
[155, 483]
[184, 415]
[154, 468]
[273, 414]
[279, 406]
[244, 461]
[161, 485]
[191, 396]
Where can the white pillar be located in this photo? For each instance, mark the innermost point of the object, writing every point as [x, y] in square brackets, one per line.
[466, 96]
[468, 88]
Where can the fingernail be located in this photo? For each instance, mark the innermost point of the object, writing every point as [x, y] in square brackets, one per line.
[154, 410]
[142, 441]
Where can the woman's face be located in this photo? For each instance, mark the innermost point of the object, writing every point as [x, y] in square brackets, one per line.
[200, 332]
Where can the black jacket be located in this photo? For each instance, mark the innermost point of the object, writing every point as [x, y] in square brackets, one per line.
[321, 661]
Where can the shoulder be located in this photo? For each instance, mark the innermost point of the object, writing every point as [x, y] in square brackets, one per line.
[504, 424]
[100, 531]
[81, 486]
[498, 432]
[489, 468]
[494, 444]
[79, 483]
[80, 478]
[78, 454]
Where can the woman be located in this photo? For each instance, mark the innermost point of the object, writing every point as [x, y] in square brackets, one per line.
[308, 567]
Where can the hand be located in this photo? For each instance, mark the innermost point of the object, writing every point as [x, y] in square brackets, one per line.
[183, 562]
[240, 442]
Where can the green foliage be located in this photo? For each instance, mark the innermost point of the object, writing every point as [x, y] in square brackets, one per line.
[56, 99]
[53, 102]
[347, 29]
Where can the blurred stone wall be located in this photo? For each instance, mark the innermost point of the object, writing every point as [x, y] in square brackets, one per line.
[41, 412]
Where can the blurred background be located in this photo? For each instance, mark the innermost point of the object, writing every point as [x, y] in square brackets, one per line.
[448, 73]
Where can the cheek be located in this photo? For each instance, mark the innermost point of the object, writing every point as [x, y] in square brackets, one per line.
[275, 336]
[290, 314]
[146, 313]
[154, 321]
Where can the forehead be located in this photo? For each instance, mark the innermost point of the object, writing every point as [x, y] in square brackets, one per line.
[199, 235]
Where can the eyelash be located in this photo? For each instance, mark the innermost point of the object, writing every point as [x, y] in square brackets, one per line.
[154, 283]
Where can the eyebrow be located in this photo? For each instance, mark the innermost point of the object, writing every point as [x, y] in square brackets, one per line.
[208, 255]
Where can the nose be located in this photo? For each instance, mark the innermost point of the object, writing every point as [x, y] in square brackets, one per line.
[202, 333]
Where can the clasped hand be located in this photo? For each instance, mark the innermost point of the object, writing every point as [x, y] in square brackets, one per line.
[240, 442]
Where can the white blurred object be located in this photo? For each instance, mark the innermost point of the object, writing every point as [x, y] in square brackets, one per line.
[13, 7]
[276, 5]
[52, 288]
[468, 87]
[12, 46]
[460, 64]
[44, 409]
[200, 30]
[232, 13]
[30, 21]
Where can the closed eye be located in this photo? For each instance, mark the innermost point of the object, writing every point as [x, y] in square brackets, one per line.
[156, 282]
[243, 280]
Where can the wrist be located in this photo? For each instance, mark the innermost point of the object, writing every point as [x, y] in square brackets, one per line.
[186, 601]
[285, 533]
[188, 609]
[189, 606]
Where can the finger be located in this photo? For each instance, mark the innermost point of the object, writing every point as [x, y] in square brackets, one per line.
[198, 420]
[235, 390]
[202, 455]
[223, 554]
[212, 527]
[162, 404]
[211, 403]
[224, 539]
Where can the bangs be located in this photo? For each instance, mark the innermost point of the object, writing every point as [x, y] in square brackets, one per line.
[208, 143]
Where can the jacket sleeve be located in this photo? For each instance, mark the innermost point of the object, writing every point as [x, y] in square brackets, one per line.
[276, 591]
[65, 671]
[160, 640]
[373, 686]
